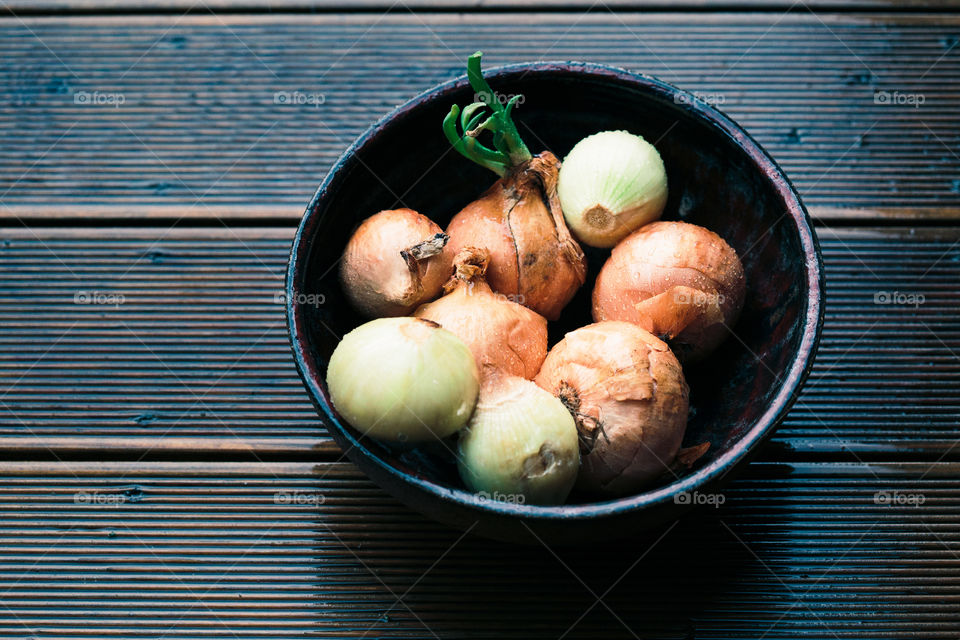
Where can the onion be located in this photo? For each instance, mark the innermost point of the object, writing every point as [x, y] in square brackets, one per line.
[610, 184]
[678, 281]
[627, 392]
[403, 380]
[394, 262]
[498, 332]
[520, 445]
[518, 220]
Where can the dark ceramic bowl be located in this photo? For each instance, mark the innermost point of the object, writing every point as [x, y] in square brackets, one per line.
[718, 177]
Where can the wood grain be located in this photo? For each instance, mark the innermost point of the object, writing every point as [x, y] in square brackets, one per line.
[833, 97]
[189, 550]
[194, 356]
[846, 527]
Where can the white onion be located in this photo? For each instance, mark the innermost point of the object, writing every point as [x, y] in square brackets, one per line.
[403, 380]
[610, 184]
[520, 445]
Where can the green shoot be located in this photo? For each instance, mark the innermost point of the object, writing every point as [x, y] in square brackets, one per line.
[509, 149]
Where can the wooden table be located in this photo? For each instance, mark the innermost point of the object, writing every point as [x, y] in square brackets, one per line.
[164, 475]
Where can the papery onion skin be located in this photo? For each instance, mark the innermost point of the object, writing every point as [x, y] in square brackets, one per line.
[628, 391]
[533, 257]
[403, 380]
[610, 184]
[680, 281]
[498, 331]
[520, 445]
[395, 261]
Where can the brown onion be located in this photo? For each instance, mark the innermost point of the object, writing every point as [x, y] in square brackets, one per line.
[629, 398]
[679, 281]
[498, 332]
[519, 221]
[395, 261]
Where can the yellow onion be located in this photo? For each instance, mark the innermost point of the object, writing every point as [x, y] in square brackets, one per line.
[395, 261]
[610, 184]
[520, 445]
[498, 331]
[518, 220]
[679, 281]
[403, 380]
[628, 394]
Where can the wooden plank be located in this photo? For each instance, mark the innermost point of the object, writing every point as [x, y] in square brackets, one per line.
[194, 356]
[149, 340]
[834, 97]
[888, 347]
[213, 550]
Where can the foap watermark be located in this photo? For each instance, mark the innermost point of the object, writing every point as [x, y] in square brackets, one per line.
[304, 299]
[700, 96]
[898, 499]
[299, 98]
[496, 496]
[99, 298]
[99, 499]
[697, 298]
[99, 98]
[899, 298]
[712, 499]
[518, 298]
[899, 98]
[299, 498]
[496, 97]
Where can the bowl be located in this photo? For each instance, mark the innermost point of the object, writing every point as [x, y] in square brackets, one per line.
[718, 177]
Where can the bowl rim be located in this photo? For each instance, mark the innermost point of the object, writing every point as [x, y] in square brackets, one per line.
[707, 475]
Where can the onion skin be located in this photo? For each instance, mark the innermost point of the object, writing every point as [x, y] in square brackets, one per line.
[679, 281]
[499, 332]
[610, 184]
[628, 392]
[404, 380]
[521, 443]
[395, 261]
[534, 258]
